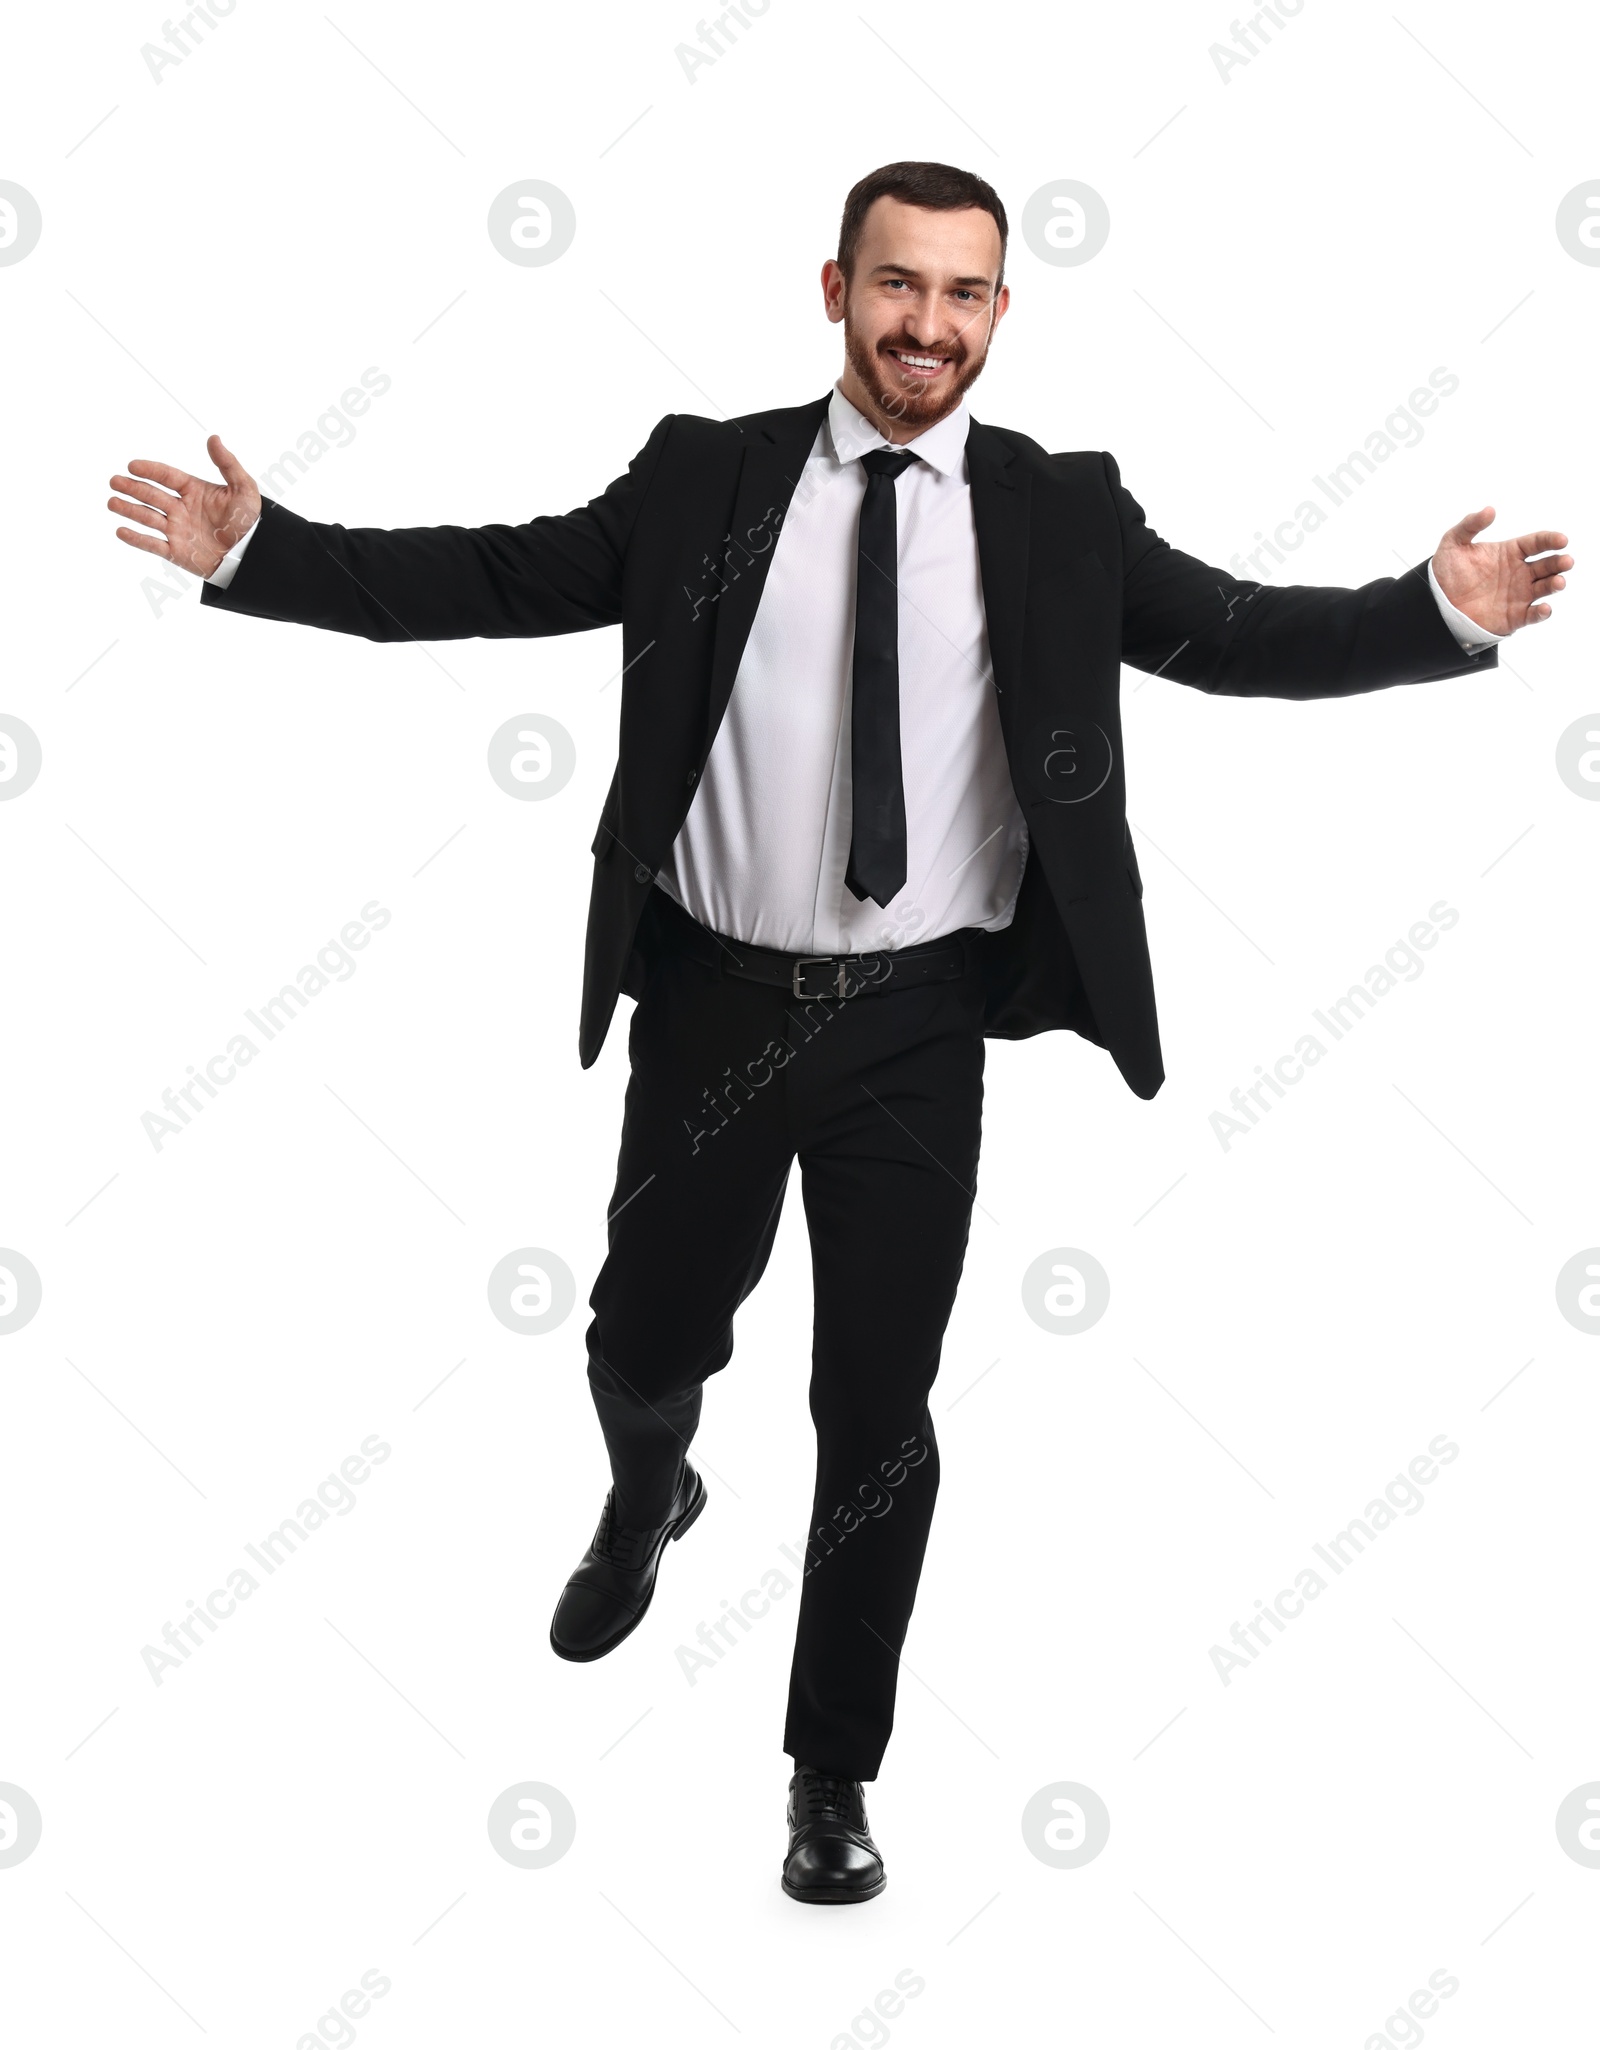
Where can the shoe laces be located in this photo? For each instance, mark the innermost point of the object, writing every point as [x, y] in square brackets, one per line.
[620, 1544]
[828, 1797]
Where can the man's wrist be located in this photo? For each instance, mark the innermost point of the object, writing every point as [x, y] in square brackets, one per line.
[222, 576]
[1469, 635]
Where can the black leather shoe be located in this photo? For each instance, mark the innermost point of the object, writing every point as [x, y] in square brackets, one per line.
[831, 1857]
[608, 1594]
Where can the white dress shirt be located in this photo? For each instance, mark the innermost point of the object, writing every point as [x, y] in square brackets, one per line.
[762, 854]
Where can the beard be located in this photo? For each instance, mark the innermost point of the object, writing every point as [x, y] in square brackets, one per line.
[898, 398]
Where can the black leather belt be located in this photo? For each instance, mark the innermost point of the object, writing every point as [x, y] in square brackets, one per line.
[808, 976]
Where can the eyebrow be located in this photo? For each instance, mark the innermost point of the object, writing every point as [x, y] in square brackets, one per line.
[905, 270]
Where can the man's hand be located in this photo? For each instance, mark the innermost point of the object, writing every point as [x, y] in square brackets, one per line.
[197, 523]
[1500, 583]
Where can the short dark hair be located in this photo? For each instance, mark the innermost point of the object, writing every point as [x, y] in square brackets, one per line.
[939, 187]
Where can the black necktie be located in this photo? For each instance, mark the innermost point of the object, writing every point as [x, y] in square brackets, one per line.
[877, 866]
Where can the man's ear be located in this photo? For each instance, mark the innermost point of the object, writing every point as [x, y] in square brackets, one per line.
[833, 290]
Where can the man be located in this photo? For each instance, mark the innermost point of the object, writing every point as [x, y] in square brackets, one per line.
[868, 810]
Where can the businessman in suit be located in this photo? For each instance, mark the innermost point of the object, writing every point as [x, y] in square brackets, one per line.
[868, 811]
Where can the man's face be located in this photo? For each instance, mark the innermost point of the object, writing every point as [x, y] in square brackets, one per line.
[918, 312]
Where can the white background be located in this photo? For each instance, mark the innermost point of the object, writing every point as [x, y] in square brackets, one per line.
[1291, 1320]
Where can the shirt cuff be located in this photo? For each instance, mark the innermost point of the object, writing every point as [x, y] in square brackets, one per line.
[222, 576]
[1467, 631]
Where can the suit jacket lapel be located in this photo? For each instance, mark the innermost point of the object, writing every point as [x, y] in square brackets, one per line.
[1000, 496]
[774, 454]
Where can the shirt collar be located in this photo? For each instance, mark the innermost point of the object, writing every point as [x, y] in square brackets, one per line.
[853, 435]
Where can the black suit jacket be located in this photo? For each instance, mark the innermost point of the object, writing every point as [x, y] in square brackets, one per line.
[1075, 584]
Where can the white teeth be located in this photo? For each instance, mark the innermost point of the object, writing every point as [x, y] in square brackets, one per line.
[919, 362]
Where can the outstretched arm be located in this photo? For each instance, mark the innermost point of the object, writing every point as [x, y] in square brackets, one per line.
[1220, 633]
[551, 575]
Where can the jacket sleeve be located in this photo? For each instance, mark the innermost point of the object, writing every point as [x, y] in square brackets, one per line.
[1182, 618]
[556, 574]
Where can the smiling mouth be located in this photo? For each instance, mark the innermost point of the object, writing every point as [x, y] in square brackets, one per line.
[918, 364]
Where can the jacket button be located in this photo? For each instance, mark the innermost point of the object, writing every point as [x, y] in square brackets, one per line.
[641, 874]
[692, 778]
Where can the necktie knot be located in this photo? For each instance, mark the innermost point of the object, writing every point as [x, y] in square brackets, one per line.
[887, 462]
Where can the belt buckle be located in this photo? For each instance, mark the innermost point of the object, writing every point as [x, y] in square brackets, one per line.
[815, 961]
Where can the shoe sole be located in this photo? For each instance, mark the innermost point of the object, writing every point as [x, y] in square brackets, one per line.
[587, 1658]
[834, 1897]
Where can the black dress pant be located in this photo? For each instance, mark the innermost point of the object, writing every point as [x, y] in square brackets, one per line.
[879, 1095]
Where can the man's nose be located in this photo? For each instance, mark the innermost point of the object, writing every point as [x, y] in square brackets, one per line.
[928, 324]
[932, 334]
